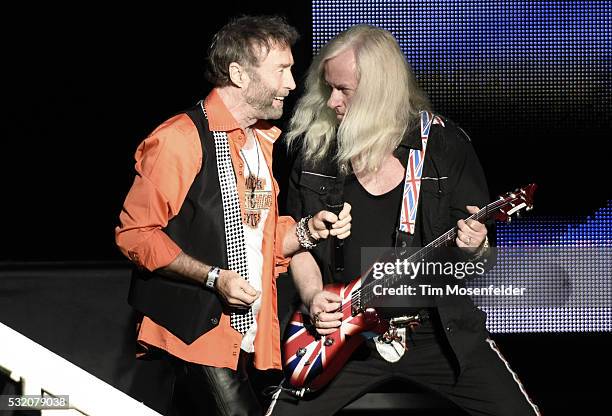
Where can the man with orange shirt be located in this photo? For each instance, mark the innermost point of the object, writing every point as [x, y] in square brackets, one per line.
[202, 224]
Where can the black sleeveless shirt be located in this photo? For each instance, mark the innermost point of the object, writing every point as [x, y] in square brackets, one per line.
[377, 216]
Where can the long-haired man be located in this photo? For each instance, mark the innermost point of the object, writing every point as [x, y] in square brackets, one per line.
[361, 124]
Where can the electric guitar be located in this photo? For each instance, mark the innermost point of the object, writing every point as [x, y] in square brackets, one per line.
[310, 360]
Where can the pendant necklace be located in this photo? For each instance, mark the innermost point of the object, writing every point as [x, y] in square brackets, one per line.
[252, 182]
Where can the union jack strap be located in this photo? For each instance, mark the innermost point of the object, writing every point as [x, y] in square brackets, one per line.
[414, 172]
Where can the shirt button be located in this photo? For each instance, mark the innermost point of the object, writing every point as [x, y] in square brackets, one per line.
[449, 328]
[322, 188]
[234, 353]
[240, 172]
[214, 321]
[133, 256]
[235, 345]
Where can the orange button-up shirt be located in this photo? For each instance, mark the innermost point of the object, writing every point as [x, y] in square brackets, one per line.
[166, 164]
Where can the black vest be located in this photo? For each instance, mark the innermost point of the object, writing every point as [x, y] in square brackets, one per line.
[185, 309]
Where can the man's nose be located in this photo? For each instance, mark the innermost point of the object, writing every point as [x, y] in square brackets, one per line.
[334, 99]
[290, 82]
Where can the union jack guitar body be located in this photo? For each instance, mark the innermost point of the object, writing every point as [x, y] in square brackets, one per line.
[310, 360]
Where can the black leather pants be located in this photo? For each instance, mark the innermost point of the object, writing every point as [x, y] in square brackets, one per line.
[215, 391]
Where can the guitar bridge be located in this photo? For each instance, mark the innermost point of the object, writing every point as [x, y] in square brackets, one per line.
[406, 321]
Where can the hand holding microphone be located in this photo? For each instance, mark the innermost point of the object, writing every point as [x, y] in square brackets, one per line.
[326, 223]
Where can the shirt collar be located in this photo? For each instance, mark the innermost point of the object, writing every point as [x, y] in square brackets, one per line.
[411, 140]
[220, 119]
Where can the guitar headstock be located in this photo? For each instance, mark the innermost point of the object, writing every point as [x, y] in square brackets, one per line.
[514, 202]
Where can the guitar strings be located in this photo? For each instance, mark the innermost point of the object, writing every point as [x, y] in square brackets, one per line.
[438, 241]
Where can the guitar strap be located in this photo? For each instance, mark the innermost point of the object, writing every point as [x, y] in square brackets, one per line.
[393, 349]
[414, 172]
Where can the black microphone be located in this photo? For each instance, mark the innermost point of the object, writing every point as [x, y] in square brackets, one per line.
[334, 203]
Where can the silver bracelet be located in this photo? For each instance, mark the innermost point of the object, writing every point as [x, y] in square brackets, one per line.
[304, 237]
[211, 278]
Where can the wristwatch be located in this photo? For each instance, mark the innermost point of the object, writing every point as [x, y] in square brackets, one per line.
[212, 276]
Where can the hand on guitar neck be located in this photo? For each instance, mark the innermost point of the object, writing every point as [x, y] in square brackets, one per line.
[470, 233]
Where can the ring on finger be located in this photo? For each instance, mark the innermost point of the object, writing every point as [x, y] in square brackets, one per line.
[315, 318]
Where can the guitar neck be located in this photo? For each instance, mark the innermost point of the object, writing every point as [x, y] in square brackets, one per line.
[365, 294]
[448, 238]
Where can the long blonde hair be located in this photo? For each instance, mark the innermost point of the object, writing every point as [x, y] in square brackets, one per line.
[384, 106]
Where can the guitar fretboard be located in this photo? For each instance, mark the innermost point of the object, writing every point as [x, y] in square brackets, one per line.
[364, 295]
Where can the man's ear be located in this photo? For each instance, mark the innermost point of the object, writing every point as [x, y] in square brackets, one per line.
[238, 75]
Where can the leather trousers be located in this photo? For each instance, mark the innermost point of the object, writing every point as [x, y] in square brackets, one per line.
[216, 391]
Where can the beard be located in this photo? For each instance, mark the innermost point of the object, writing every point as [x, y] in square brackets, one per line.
[261, 97]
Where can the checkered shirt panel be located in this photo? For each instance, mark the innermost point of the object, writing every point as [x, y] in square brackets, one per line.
[240, 320]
